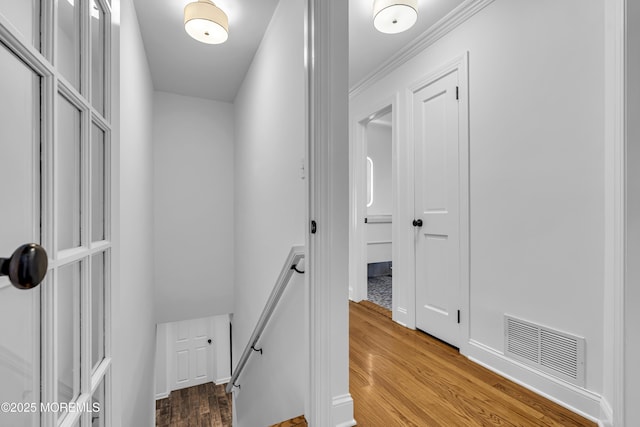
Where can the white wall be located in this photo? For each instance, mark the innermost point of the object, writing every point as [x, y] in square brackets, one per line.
[193, 206]
[162, 367]
[222, 362]
[632, 294]
[379, 150]
[536, 172]
[270, 210]
[273, 384]
[134, 314]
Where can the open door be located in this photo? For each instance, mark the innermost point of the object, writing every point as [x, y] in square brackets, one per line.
[55, 157]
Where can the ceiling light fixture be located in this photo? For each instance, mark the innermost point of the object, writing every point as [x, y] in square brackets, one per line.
[394, 16]
[206, 22]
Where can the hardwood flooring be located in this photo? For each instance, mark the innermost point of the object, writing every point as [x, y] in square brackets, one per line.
[376, 308]
[400, 377]
[294, 422]
[205, 405]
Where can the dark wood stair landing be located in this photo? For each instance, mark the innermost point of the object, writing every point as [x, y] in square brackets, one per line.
[205, 405]
[294, 422]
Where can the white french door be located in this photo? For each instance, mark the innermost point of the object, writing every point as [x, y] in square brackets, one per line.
[437, 205]
[55, 161]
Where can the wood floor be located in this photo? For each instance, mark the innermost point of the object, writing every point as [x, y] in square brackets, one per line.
[400, 377]
[205, 405]
[300, 421]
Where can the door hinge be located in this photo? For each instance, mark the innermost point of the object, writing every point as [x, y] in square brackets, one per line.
[457, 92]
[314, 227]
[458, 316]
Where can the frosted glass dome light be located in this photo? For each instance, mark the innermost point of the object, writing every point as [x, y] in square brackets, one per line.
[394, 16]
[206, 22]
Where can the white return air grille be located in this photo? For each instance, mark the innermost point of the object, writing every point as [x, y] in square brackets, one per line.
[557, 353]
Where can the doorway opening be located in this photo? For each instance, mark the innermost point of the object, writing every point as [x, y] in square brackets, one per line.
[379, 208]
[373, 199]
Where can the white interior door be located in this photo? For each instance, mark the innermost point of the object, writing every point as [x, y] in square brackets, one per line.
[192, 355]
[437, 227]
[55, 159]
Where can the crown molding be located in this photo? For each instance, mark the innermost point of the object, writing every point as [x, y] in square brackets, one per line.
[434, 33]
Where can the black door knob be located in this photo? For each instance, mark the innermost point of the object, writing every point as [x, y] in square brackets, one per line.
[26, 267]
[417, 223]
[209, 341]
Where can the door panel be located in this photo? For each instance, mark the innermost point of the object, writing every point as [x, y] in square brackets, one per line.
[68, 175]
[20, 213]
[436, 251]
[437, 205]
[98, 263]
[19, 353]
[67, 297]
[68, 41]
[97, 56]
[25, 16]
[20, 155]
[183, 368]
[201, 363]
[98, 418]
[193, 363]
[98, 190]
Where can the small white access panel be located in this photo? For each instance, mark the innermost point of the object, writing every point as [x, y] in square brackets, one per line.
[437, 229]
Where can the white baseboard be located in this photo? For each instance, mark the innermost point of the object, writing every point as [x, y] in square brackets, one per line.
[400, 316]
[576, 399]
[342, 414]
[162, 395]
[606, 414]
[222, 380]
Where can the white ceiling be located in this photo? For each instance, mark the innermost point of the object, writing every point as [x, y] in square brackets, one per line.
[369, 48]
[182, 65]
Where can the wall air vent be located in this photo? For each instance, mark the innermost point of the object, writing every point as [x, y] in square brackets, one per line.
[557, 353]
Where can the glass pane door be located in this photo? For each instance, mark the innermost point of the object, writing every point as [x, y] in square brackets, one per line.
[20, 213]
[55, 160]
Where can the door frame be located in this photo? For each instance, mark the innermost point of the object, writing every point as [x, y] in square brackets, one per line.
[440, 86]
[461, 65]
[358, 194]
[327, 400]
[620, 100]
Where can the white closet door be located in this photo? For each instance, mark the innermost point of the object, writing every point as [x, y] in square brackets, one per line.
[438, 295]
